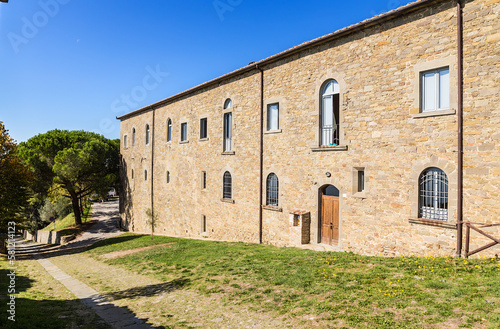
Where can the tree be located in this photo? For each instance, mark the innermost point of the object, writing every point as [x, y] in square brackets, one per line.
[78, 162]
[15, 179]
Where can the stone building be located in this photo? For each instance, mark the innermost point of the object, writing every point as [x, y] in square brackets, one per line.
[352, 140]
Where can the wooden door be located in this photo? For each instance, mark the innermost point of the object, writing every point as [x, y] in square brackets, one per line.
[329, 219]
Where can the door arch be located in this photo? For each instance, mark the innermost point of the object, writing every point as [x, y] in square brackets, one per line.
[329, 201]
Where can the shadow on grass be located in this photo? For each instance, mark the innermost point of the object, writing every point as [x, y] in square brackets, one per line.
[110, 241]
[149, 290]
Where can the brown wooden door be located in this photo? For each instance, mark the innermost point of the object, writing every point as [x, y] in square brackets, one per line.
[329, 219]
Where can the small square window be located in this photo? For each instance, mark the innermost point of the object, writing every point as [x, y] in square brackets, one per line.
[273, 117]
[183, 132]
[435, 90]
[203, 128]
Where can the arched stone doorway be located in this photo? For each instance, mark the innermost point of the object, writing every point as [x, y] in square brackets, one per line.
[329, 214]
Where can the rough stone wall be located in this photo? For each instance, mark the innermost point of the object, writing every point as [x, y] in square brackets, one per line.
[482, 116]
[382, 131]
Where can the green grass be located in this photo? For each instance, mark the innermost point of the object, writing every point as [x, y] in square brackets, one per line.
[67, 224]
[41, 301]
[341, 288]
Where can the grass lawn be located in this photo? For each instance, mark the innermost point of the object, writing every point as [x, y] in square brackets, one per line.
[338, 289]
[41, 301]
[67, 224]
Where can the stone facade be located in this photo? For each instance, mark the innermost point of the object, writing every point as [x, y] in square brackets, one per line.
[383, 134]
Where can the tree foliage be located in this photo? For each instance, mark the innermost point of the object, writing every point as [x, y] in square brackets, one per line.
[15, 179]
[78, 162]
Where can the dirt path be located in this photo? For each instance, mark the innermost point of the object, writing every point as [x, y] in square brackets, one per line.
[158, 303]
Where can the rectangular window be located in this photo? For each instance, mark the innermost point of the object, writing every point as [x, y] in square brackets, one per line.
[203, 180]
[435, 92]
[184, 132]
[228, 133]
[125, 141]
[203, 224]
[361, 180]
[203, 128]
[273, 117]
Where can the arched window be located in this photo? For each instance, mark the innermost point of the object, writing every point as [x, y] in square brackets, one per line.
[133, 136]
[169, 130]
[330, 112]
[272, 189]
[227, 190]
[433, 194]
[228, 104]
[147, 134]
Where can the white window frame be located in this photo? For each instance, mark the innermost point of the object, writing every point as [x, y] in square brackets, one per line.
[228, 131]
[435, 90]
[273, 115]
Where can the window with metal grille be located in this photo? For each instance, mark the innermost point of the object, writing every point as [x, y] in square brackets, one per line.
[169, 130]
[272, 189]
[227, 186]
[330, 105]
[147, 134]
[433, 194]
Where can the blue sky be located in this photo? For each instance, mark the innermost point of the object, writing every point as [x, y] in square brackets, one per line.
[76, 65]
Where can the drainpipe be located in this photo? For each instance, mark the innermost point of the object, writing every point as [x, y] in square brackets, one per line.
[261, 157]
[152, 160]
[460, 128]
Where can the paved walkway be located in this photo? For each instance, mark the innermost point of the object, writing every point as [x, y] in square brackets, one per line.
[106, 227]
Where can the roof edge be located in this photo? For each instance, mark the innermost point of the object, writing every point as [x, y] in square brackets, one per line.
[291, 51]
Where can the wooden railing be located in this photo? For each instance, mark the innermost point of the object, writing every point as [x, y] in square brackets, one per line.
[478, 228]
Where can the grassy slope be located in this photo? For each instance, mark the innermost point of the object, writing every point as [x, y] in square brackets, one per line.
[342, 289]
[67, 224]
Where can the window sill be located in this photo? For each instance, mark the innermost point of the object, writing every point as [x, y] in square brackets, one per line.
[432, 222]
[272, 208]
[329, 148]
[270, 132]
[204, 139]
[434, 114]
[228, 153]
[359, 195]
[227, 200]
[183, 142]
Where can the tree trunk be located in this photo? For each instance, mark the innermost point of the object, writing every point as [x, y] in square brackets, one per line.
[76, 208]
